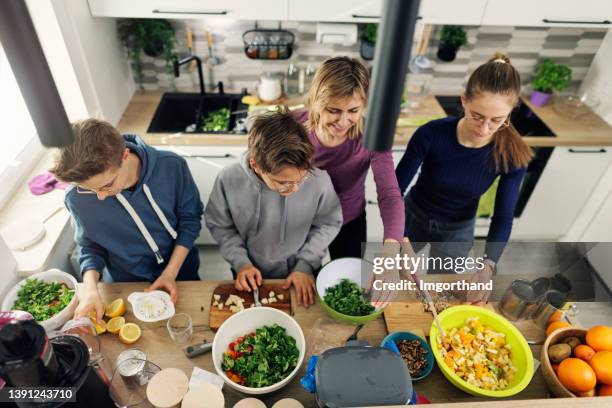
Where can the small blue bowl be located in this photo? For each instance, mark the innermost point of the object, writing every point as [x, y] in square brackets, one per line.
[396, 337]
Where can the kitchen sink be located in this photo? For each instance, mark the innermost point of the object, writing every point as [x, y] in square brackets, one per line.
[524, 120]
[178, 112]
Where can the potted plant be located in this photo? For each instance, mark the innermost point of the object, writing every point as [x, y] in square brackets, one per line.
[452, 37]
[154, 37]
[368, 41]
[549, 77]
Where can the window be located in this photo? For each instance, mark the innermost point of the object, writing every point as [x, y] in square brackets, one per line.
[20, 148]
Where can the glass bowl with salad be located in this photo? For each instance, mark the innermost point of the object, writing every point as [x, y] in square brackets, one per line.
[49, 296]
[258, 350]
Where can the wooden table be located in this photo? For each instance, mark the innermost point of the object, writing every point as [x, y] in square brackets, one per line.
[194, 299]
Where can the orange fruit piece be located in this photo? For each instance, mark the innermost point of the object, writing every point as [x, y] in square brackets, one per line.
[581, 351]
[554, 326]
[129, 333]
[605, 389]
[602, 365]
[557, 316]
[576, 375]
[115, 308]
[600, 338]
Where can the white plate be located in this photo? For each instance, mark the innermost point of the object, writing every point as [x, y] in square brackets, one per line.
[20, 235]
[151, 306]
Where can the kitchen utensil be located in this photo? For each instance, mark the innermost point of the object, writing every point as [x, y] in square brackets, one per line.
[552, 302]
[269, 87]
[218, 316]
[396, 337]
[212, 59]
[248, 321]
[180, 328]
[151, 306]
[353, 336]
[256, 297]
[353, 376]
[522, 358]
[331, 275]
[52, 275]
[198, 349]
[430, 303]
[420, 62]
[517, 299]
[189, 35]
[548, 372]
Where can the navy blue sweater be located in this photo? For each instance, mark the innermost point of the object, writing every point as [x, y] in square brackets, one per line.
[453, 177]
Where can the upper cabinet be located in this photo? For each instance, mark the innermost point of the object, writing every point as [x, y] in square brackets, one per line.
[549, 13]
[367, 11]
[234, 9]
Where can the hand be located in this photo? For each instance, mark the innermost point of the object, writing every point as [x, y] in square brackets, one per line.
[484, 275]
[248, 278]
[304, 284]
[167, 282]
[90, 301]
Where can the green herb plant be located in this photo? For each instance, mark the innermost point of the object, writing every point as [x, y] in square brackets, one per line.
[217, 121]
[262, 358]
[551, 77]
[41, 299]
[370, 32]
[453, 36]
[153, 37]
[347, 298]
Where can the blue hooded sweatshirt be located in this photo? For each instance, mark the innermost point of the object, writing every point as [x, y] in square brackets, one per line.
[108, 235]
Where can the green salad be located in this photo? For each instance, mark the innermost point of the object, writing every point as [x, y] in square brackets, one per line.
[41, 299]
[217, 121]
[347, 298]
[262, 358]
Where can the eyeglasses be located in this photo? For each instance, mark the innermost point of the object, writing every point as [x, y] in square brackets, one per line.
[83, 190]
[286, 186]
[492, 124]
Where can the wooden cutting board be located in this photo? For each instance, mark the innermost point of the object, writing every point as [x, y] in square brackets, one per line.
[409, 316]
[217, 317]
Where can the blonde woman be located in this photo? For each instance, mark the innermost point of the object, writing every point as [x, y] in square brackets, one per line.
[335, 121]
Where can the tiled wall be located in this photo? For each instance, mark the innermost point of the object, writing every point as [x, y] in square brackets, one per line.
[574, 47]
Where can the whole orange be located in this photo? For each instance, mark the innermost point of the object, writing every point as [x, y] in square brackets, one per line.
[600, 338]
[555, 317]
[602, 364]
[576, 375]
[583, 352]
[554, 326]
[605, 389]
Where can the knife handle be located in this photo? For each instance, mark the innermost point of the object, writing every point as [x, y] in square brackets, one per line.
[197, 349]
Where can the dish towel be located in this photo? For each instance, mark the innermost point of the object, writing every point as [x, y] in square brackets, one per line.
[45, 182]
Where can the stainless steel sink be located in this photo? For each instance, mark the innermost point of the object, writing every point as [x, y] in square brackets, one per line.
[177, 111]
[527, 123]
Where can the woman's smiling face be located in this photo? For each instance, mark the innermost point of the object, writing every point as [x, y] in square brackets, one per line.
[341, 114]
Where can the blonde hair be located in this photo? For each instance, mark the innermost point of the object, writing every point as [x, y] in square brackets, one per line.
[498, 76]
[337, 77]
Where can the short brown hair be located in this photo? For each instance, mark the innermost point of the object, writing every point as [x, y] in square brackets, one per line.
[277, 140]
[337, 77]
[97, 147]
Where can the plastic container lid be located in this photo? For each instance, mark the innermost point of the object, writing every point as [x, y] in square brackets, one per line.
[207, 395]
[357, 376]
[167, 388]
[288, 403]
[249, 403]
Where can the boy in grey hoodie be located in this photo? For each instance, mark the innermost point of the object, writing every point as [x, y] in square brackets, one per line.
[273, 214]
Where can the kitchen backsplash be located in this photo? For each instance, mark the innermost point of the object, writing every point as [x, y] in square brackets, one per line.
[575, 47]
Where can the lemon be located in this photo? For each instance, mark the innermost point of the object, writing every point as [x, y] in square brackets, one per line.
[115, 324]
[129, 333]
[115, 308]
[101, 327]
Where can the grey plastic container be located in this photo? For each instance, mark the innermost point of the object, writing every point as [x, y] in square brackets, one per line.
[358, 376]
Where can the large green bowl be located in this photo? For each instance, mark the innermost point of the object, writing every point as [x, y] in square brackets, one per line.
[521, 353]
[331, 275]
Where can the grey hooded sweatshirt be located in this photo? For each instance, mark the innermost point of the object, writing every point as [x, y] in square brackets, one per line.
[278, 235]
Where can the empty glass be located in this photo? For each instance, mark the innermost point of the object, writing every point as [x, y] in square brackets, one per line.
[180, 328]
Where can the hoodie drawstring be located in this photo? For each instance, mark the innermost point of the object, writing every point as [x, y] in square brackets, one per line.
[142, 228]
[283, 225]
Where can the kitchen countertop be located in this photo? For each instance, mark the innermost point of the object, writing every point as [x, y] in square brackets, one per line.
[195, 298]
[588, 130]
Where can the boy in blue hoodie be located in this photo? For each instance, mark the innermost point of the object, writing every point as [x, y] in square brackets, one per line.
[135, 210]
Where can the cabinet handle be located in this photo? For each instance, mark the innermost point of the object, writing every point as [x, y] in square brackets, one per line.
[210, 13]
[372, 202]
[366, 16]
[545, 20]
[602, 150]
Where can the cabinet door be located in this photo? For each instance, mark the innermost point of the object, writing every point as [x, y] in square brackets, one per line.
[569, 178]
[234, 9]
[550, 13]
[370, 11]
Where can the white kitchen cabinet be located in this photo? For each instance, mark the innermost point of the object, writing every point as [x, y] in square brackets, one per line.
[233, 9]
[368, 11]
[600, 227]
[549, 13]
[205, 163]
[568, 180]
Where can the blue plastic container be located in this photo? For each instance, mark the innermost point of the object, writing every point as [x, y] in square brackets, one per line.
[396, 337]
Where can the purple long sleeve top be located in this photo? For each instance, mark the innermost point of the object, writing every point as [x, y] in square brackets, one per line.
[347, 165]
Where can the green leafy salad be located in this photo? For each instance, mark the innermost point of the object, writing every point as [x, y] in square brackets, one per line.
[347, 298]
[262, 358]
[217, 121]
[41, 299]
